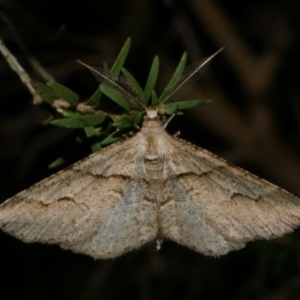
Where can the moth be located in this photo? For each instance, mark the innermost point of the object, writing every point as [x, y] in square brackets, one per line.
[152, 186]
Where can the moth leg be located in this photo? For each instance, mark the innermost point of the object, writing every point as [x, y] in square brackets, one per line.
[159, 242]
[169, 120]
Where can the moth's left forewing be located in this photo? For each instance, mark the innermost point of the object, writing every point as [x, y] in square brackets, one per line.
[227, 205]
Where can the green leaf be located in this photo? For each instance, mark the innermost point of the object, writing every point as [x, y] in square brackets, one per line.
[111, 139]
[67, 156]
[57, 163]
[48, 120]
[153, 99]
[71, 114]
[94, 100]
[137, 117]
[93, 136]
[119, 62]
[80, 121]
[124, 121]
[136, 87]
[46, 93]
[64, 93]
[151, 81]
[114, 95]
[170, 108]
[169, 88]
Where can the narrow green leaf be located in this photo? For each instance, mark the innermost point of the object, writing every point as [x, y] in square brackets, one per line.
[124, 121]
[179, 113]
[114, 95]
[137, 117]
[92, 135]
[105, 132]
[71, 114]
[119, 62]
[154, 99]
[94, 100]
[170, 108]
[168, 89]
[80, 121]
[64, 93]
[111, 139]
[67, 156]
[46, 93]
[151, 81]
[136, 87]
[48, 120]
[57, 163]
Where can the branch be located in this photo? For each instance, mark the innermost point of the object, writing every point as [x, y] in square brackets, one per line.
[12, 61]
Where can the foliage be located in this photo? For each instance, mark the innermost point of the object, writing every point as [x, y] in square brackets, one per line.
[121, 87]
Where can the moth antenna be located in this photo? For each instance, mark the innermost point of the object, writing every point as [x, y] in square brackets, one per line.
[118, 82]
[190, 75]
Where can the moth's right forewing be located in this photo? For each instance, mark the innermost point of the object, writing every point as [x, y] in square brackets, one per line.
[94, 207]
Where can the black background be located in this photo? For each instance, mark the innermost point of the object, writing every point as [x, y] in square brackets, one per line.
[253, 122]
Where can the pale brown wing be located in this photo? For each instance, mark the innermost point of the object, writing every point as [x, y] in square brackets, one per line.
[214, 207]
[94, 207]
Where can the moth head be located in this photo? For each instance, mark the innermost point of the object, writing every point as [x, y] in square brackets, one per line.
[151, 114]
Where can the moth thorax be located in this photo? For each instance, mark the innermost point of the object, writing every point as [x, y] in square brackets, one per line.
[152, 114]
